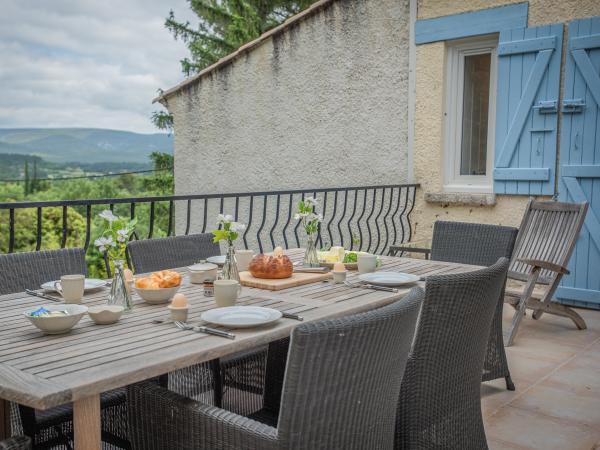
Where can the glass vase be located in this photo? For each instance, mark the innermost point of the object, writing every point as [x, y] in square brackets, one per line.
[119, 294]
[230, 268]
[310, 255]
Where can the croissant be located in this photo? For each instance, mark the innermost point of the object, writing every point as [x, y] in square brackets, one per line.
[157, 280]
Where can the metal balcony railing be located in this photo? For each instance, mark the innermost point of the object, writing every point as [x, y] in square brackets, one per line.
[368, 218]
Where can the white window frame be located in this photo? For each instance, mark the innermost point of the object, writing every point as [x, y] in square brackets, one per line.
[455, 57]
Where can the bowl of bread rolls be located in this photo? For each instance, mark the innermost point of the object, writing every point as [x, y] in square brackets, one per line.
[160, 287]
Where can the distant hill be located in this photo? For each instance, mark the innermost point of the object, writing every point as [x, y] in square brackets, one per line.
[85, 145]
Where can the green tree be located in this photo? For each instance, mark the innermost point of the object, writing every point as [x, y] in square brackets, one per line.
[223, 27]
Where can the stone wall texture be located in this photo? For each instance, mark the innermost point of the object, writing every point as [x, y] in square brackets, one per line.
[428, 146]
[321, 104]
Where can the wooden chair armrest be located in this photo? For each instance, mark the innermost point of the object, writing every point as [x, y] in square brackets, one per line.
[394, 249]
[544, 265]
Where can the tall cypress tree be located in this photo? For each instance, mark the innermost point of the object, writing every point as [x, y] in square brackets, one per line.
[26, 186]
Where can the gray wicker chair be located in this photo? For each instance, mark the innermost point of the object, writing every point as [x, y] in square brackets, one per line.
[480, 245]
[54, 427]
[16, 443]
[149, 255]
[341, 385]
[440, 404]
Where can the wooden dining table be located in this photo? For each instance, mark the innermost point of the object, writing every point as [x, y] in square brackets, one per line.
[43, 371]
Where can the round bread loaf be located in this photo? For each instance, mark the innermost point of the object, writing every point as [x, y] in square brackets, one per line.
[273, 267]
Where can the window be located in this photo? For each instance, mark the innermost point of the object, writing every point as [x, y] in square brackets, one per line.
[470, 106]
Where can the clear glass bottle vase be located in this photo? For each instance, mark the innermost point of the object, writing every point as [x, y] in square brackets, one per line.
[119, 294]
[230, 269]
[310, 254]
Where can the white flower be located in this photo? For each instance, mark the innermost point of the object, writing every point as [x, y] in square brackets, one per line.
[122, 235]
[311, 201]
[224, 218]
[319, 217]
[108, 215]
[103, 242]
[236, 227]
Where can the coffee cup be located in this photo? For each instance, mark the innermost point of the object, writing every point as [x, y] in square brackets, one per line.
[71, 288]
[243, 258]
[226, 292]
[367, 263]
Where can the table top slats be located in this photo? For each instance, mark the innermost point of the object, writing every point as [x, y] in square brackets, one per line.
[43, 371]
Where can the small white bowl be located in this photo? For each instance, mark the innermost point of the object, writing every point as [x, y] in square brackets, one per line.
[105, 314]
[157, 296]
[58, 324]
[199, 273]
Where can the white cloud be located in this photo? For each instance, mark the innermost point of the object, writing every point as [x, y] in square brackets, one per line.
[86, 63]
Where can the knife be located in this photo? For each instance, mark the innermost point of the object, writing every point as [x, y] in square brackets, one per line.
[45, 297]
[214, 332]
[292, 316]
[380, 288]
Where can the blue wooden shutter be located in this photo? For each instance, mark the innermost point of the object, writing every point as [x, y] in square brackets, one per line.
[579, 170]
[527, 110]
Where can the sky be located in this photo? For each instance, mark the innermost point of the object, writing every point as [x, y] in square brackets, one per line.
[87, 63]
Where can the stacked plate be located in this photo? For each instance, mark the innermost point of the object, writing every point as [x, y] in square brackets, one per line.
[389, 279]
[241, 316]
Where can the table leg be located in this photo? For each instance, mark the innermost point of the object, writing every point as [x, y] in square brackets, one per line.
[86, 423]
[4, 419]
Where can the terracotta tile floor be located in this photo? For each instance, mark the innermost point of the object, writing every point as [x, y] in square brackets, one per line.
[556, 369]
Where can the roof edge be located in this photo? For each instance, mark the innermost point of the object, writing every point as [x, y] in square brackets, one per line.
[249, 46]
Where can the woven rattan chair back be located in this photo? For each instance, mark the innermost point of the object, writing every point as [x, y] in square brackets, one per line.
[148, 255]
[471, 243]
[343, 377]
[439, 404]
[548, 232]
[20, 271]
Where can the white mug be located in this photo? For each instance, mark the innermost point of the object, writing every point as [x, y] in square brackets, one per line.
[226, 292]
[71, 287]
[243, 258]
[367, 263]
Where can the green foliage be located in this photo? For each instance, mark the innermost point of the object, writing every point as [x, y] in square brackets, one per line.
[226, 25]
[228, 229]
[162, 120]
[160, 183]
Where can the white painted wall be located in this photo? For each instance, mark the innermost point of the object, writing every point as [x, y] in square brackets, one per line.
[325, 103]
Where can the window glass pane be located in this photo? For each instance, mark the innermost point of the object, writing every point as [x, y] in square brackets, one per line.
[476, 97]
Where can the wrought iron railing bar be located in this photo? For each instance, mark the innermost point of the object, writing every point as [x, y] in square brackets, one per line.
[88, 226]
[350, 220]
[105, 201]
[385, 219]
[151, 224]
[170, 223]
[112, 207]
[134, 235]
[369, 218]
[377, 220]
[289, 218]
[277, 207]
[394, 215]
[359, 221]
[342, 218]
[412, 206]
[249, 221]
[63, 240]
[237, 209]
[188, 216]
[319, 226]
[205, 213]
[402, 214]
[38, 238]
[296, 228]
[262, 224]
[335, 201]
[11, 230]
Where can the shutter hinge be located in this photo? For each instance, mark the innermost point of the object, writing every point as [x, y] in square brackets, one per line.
[546, 106]
[573, 105]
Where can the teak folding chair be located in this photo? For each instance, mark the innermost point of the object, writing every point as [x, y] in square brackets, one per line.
[547, 236]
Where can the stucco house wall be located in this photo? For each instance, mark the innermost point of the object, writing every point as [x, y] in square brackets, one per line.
[428, 142]
[321, 103]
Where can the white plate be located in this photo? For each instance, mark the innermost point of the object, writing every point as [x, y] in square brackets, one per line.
[218, 260]
[90, 284]
[241, 316]
[389, 278]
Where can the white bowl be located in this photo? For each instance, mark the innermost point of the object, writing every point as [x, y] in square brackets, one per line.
[157, 296]
[105, 314]
[199, 273]
[58, 324]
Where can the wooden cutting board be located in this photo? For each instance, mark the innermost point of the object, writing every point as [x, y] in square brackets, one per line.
[297, 279]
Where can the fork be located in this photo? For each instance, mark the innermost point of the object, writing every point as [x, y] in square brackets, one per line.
[205, 330]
